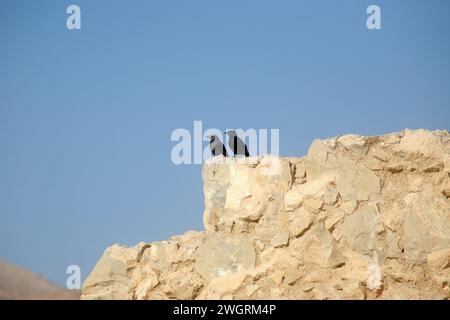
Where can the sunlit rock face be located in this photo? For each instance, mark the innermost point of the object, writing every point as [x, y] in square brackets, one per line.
[356, 218]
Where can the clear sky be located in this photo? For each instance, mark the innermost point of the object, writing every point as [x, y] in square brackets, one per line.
[86, 115]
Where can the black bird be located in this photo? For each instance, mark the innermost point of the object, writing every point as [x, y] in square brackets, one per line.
[236, 144]
[217, 146]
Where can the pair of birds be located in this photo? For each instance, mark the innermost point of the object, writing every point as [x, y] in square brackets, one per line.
[234, 142]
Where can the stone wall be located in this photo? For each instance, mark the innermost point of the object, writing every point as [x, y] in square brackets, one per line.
[357, 218]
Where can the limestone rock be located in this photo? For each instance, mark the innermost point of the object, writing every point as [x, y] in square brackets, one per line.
[333, 218]
[301, 222]
[422, 142]
[446, 189]
[222, 254]
[110, 279]
[360, 229]
[356, 218]
[349, 206]
[392, 246]
[241, 191]
[280, 238]
[331, 195]
[439, 259]
[312, 189]
[426, 229]
[320, 248]
[353, 181]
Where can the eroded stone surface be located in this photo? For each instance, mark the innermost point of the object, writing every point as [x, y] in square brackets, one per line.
[357, 218]
[222, 253]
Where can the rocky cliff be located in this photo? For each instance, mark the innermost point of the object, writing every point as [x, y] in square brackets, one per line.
[357, 218]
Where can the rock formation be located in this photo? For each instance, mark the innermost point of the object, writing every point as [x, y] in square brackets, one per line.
[357, 218]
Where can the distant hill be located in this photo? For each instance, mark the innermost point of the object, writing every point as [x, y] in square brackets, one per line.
[17, 283]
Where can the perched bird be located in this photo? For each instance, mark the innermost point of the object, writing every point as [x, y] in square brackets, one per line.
[217, 146]
[236, 144]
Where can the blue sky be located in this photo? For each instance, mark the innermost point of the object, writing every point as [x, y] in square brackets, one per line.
[86, 115]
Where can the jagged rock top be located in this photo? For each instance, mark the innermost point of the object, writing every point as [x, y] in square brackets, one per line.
[356, 218]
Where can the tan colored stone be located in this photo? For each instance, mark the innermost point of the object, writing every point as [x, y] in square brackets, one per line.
[291, 276]
[360, 229]
[392, 217]
[315, 204]
[439, 259]
[311, 189]
[380, 154]
[355, 182]
[335, 216]
[277, 276]
[354, 143]
[221, 254]
[372, 163]
[280, 238]
[250, 289]
[357, 218]
[110, 279]
[321, 248]
[331, 195]
[392, 248]
[349, 206]
[446, 189]
[183, 285]
[426, 229]
[421, 142]
[301, 222]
